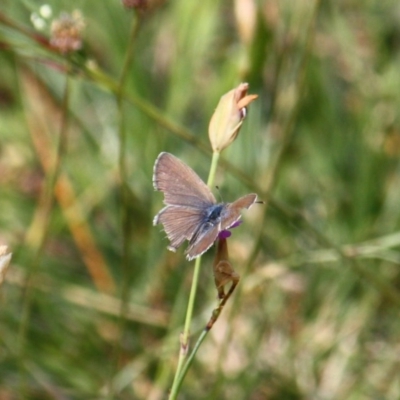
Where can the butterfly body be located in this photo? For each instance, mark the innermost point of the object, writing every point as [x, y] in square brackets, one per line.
[192, 212]
[212, 214]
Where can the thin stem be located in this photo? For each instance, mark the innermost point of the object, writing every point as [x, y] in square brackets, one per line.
[190, 359]
[179, 373]
[214, 317]
[184, 339]
[213, 169]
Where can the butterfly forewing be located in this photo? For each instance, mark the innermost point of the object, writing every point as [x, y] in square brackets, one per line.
[179, 183]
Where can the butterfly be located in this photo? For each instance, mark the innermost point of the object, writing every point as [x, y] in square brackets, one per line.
[192, 212]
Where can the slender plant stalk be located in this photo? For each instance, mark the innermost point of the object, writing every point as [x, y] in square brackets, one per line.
[213, 169]
[124, 193]
[189, 311]
[190, 359]
[214, 317]
[40, 225]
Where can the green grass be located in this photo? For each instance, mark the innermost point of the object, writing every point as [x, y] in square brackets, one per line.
[93, 302]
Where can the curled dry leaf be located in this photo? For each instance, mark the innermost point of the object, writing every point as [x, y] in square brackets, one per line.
[223, 270]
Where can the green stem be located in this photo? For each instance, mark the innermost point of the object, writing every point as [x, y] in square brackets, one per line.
[186, 332]
[180, 372]
[213, 319]
[191, 357]
[213, 169]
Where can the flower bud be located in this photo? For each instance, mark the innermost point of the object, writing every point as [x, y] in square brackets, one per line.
[228, 117]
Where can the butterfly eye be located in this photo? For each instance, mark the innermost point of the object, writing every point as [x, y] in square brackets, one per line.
[243, 113]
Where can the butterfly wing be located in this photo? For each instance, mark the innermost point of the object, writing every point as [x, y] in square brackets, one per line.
[204, 238]
[186, 197]
[231, 212]
[180, 184]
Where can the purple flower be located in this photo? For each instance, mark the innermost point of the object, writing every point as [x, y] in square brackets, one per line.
[226, 232]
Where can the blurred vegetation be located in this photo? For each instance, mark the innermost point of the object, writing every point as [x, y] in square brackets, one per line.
[93, 302]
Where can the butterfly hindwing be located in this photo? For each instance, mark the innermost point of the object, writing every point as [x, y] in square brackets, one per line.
[204, 239]
[232, 211]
